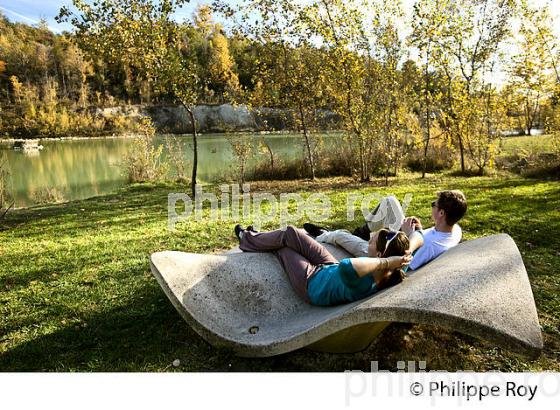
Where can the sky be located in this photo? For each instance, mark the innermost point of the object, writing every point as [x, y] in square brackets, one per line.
[31, 11]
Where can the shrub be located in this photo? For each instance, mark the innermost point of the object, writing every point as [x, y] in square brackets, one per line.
[441, 156]
[48, 195]
[144, 161]
[282, 170]
[531, 164]
[329, 162]
[6, 199]
[177, 158]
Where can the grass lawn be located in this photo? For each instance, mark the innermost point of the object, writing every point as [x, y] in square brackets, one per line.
[76, 292]
[529, 143]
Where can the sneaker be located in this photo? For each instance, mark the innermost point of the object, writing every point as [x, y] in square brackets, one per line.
[313, 229]
[239, 231]
[362, 232]
[252, 229]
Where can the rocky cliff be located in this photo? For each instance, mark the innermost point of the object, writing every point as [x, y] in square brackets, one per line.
[218, 118]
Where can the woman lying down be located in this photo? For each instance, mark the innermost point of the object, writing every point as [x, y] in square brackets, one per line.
[318, 277]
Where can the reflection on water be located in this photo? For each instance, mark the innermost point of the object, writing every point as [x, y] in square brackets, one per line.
[84, 168]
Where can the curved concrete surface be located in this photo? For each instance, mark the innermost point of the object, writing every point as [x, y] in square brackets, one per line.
[244, 302]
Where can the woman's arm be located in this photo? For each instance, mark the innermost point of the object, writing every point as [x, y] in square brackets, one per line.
[373, 266]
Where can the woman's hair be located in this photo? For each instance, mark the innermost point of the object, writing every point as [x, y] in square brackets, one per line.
[397, 246]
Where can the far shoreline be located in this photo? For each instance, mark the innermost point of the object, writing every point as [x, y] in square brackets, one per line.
[134, 135]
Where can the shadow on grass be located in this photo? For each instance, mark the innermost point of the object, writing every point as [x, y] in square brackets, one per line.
[145, 332]
[137, 197]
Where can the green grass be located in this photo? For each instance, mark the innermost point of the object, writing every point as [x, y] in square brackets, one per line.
[529, 143]
[76, 292]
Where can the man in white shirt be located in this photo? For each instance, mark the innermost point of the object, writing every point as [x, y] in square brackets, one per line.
[425, 244]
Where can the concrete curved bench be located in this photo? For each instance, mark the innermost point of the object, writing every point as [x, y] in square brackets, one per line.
[244, 302]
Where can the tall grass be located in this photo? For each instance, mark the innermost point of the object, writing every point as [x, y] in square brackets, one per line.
[144, 161]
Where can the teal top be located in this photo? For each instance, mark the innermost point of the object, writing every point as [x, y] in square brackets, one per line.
[339, 283]
[407, 267]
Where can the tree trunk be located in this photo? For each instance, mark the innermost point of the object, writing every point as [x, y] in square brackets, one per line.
[271, 154]
[387, 174]
[462, 151]
[307, 143]
[528, 125]
[424, 165]
[190, 111]
[427, 102]
[364, 177]
[5, 212]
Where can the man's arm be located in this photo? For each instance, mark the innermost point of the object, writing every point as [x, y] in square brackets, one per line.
[415, 237]
[416, 240]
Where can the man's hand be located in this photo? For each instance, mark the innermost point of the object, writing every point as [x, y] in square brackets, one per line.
[410, 224]
[417, 223]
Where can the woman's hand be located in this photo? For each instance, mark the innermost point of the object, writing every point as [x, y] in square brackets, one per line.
[396, 262]
[379, 266]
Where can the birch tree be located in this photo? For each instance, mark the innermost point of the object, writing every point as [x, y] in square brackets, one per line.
[142, 35]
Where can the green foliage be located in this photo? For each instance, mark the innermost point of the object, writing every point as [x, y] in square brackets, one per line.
[144, 162]
[47, 195]
[362, 78]
[531, 79]
[552, 124]
[79, 296]
[469, 56]
[6, 199]
[243, 147]
[177, 158]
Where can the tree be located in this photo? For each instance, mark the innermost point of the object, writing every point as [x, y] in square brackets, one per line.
[473, 32]
[530, 71]
[339, 28]
[212, 48]
[539, 22]
[6, 200]
[220, 66]
[490, 112]
[289, 69]
[427, 23]
[243, 147]
[72, 69]
[362, 48]
[142, 35]
[393, 95]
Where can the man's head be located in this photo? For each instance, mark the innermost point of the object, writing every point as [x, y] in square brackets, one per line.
[449, 207]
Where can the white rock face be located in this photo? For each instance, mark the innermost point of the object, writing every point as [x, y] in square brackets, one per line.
[225, 117]
[215, 118]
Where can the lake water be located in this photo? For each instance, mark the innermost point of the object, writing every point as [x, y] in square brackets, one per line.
[89, 167]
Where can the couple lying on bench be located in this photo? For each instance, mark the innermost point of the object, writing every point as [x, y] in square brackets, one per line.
[320, 279]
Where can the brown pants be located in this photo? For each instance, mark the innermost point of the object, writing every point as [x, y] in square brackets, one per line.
[299, 254]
